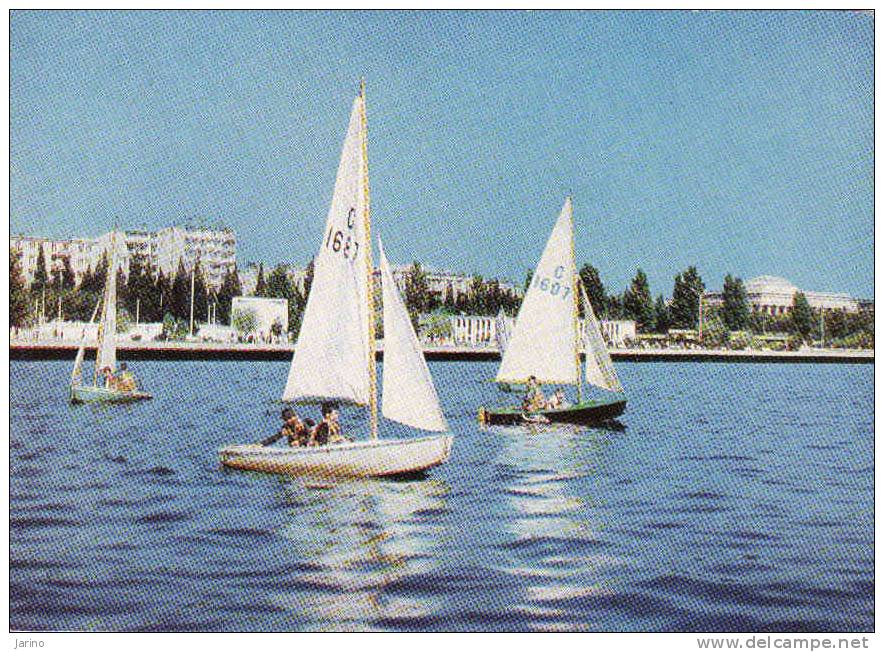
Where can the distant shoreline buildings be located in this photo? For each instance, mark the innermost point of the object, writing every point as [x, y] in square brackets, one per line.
[215, 248]
[773, 295]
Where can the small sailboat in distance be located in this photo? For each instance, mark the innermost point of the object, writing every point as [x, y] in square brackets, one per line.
[106, 352]
[545, 342]
[334, 356]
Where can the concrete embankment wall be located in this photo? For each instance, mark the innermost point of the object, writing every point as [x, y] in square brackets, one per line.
[214, 351]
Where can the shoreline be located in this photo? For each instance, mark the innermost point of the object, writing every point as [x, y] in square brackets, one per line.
[55, 350]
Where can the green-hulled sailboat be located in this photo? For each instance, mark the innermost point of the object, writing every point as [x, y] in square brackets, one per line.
[546, 342]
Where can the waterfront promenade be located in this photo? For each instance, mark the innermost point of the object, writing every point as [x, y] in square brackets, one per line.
[155, 350]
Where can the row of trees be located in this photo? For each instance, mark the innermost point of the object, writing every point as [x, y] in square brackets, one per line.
[637, 303]
[142, 295]
[155, 297]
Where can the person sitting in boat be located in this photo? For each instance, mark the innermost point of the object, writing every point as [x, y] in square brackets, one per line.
[557, 401]
[125, 380]
[108, 376]
[329, 429]
[534, 398]
[306, 433]
[292, 429]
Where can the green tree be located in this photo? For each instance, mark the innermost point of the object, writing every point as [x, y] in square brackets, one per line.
[40, 274]
[661, 315]
[638, 304]
[686, 293]
[162, 289]
[18, 293]
[278, 285]
[735, 306]
[615, 307]
[308, 279]
[230, 288]
[260, 285]
[595, 290]
[417, 293]
[801, 315]
[476, 297]
[529, 276]
[179, 299]
[200, 295]
[68, 278]
[141, 298]
[449, 301]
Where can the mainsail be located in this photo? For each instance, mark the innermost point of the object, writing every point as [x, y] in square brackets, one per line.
[77, 373]
[106, 356]
[409, 396]
[544, 338]
[333, 356]
[599, 367]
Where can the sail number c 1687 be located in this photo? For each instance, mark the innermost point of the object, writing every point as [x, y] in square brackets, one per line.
[342, 243]
[556, 286]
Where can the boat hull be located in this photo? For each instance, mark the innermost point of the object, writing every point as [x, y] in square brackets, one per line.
[363, 459]
[86, 394]
[591, 412]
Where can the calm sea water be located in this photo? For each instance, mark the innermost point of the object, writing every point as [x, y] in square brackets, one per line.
[738, 497]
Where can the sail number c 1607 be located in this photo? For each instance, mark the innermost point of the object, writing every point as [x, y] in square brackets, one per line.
[557, 286]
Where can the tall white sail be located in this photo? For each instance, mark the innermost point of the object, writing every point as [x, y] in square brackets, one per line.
[106, 356]
[77, 373]
[332, 355]
[599, 367]
[409, 395]
[543, 340]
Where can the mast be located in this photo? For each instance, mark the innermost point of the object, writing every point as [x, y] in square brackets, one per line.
[110, 277]
[369, 271]
[574, 289]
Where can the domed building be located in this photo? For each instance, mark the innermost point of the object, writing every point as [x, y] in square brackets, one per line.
[772, 295]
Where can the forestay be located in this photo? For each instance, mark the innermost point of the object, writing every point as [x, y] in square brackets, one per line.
[599, 367]
[409, 395]
[544, 338]
[332, 355]
[106, 356]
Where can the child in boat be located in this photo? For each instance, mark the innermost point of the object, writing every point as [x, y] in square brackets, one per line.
[329, 429]
[292, 429]
[125, 381]
[108, 376]
[534, 398]
[557, 401]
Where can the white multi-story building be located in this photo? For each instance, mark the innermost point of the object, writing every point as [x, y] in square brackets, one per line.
[772, 295]
[215, 249]
[80, 252]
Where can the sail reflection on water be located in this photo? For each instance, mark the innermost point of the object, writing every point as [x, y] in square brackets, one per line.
[557, 530]
[360, 539]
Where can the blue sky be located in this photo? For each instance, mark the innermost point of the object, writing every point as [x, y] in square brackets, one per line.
[739, 142]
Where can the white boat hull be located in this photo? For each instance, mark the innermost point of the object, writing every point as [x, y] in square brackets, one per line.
[378, 458]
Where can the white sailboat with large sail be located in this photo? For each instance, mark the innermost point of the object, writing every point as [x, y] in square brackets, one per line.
[546, 341]
[106, 351]
[334, 357]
